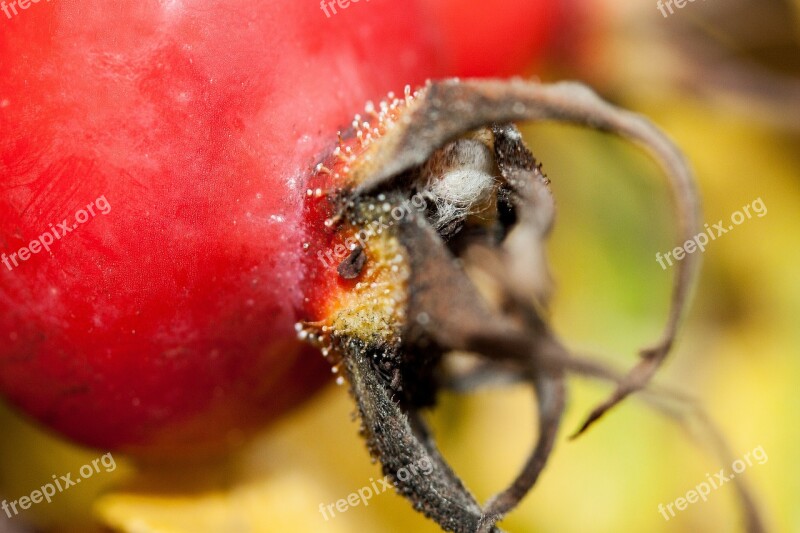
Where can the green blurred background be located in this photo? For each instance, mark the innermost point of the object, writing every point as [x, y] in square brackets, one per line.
[721, 79]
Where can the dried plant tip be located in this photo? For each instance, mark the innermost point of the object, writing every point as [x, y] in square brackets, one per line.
[416, 299]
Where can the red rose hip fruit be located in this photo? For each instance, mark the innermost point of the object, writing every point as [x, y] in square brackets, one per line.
[166, 324]
[153, 159]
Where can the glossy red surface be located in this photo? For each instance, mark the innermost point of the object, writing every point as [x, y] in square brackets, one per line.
[164, 326]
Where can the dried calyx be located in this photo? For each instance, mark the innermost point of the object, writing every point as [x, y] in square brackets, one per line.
[446, 211]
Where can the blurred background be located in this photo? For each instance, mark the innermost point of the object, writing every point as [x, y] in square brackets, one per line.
[723, 79]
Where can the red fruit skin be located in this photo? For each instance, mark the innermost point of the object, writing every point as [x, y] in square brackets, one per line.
[499, 38]
[165, 327]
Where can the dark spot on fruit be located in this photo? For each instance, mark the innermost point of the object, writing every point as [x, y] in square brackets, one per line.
[352, 265]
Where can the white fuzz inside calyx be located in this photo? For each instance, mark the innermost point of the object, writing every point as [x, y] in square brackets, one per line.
[458, 179]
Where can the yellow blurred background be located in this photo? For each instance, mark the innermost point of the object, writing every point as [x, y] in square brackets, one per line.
[738, 352]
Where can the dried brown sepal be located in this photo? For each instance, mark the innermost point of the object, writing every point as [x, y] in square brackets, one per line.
[448, 109]
[480, 287]
[399, 439]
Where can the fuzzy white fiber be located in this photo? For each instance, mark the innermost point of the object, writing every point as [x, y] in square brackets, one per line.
[457, 179]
